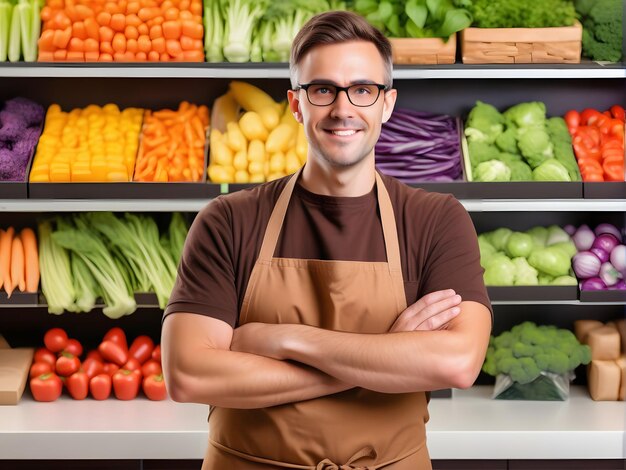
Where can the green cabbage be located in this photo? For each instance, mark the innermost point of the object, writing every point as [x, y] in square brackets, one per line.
[519, 244]
[499, 237]
[525, 274]
[500, 271]
[550, 260]
[551, 170]
[492, 170]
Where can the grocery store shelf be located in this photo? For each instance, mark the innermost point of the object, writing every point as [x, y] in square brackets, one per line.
[280, 70]
[194, 205]
[468, 426]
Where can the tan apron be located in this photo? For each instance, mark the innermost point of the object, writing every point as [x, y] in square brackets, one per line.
[355, 429]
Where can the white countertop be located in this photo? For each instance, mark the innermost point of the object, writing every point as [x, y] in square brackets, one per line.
[468, 426]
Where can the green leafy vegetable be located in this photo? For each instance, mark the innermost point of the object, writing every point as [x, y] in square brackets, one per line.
[56, 271]
[492, 170]
[602, 29]
[551, 170]
[525, 274]
[522, 13]
[519, 244]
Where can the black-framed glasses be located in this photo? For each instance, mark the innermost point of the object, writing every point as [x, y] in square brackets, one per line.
[325, 94]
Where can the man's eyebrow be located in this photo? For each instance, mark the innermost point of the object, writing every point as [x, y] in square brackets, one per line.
[322, 81]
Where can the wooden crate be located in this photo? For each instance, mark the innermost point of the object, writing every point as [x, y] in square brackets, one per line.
[522, 45]
[423, 50]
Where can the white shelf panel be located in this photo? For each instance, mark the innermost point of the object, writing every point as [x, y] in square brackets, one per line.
[194, 205]
[468, 426]
[249, 71]
[552, 302]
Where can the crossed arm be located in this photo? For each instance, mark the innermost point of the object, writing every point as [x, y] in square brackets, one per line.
[438, 342]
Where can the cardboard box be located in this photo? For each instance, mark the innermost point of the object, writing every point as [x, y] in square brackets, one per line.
[415, 51]
[14, 368]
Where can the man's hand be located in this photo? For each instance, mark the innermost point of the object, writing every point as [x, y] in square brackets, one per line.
[431, 312]
[262, 339]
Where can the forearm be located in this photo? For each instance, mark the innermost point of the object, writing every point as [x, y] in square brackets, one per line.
[239, 380]
[395, 362]
[201, 368]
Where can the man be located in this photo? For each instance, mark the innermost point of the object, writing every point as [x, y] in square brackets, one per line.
[289, 315]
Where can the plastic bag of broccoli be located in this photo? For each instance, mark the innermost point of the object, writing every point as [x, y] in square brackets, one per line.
[533, 362]
[546, 387]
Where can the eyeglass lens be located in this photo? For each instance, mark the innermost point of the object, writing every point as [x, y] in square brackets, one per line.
[359, 95]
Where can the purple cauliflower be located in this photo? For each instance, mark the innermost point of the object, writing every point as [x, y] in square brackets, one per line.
[24, 146]
[32, 112]
[11, 168]
[13, 126]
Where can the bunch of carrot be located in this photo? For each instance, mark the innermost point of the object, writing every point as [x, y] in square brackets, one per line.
[122, 31]
[172, 144]
[19, 260]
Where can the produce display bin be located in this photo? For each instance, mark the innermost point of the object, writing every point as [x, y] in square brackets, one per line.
[603, 296]
[604, 190]
[517, 293]
[124, 190]
[560, 45]
[408, 51]
[19, 189]
[19, 298]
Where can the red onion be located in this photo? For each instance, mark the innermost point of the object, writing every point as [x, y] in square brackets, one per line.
[602, 255]
[586, 264]
[605, 242]
[608, 274]
[621, 285]
[593, 283]
[608, 228]
[570, 229]
[583, 238]
[618, 258]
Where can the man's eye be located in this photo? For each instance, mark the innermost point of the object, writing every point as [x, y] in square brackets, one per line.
[363, 91]
[323, 91]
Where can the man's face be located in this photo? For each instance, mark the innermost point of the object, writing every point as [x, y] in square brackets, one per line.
[341, 133]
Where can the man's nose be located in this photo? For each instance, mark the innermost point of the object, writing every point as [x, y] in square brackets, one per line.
[342, 107]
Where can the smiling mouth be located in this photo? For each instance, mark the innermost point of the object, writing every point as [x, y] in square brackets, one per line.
[342, 132]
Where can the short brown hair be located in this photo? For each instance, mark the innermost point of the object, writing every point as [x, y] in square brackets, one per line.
[334, 27]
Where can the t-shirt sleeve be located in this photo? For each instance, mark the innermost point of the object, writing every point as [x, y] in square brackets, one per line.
[205, 283]
[453, 261]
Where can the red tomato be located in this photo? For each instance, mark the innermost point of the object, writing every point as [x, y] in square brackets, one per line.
[95, 355]
[46, 387]
[55, 339]
[117, 335]
[67, 364]
[572, 119]
[142, 348]
[156, 353]
[78, 385]
[618, 112]
[110, 368]
[589, 116]
[100, 386]
[132, 364]
[151, 367]
[40, 368]
[154, 387]
[126, 384]
[74, 347]
[113, 352]
[92, 367]
[45, 355]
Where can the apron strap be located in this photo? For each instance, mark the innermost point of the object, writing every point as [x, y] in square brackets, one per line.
[388, 221]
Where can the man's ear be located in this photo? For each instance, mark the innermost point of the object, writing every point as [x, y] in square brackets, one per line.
[389, 103]
[294, 104]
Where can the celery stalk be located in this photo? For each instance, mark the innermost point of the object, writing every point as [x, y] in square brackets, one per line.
[241, 19]
[25, 10]
[14, 37]
[5, 23]
[35, 29]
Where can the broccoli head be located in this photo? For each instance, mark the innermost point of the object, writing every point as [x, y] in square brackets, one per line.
[535, 145]
[525, 370]
[529, 114]
[602, 29]
[484, 123]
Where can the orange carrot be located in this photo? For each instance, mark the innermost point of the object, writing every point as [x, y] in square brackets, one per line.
[104, 18]
[172, 46]
[153, 56]
[131, 45]
[45, 56]
[186, 15]
[171, 14]
[60, 55]
[31, 259]
[156, 31]
[118, 22]
[106, 34]
[91, 45]
[75, 56]
[62, 37]
[192, 29]
[78, 30]
[186, 43]
[6, 241]
[105, 57]
[144, 44]
[131, 32]
[133, 7]
[92, 28]
[106, 48]
[172, 29]
[83, 11]
[143, 29]
[17, 264]
[141, 57]
[193, 56]
[165, 57]
[45, 41]
[158, 45]
[133, 20]
[92, 56]
[119, 42]
[76, 45]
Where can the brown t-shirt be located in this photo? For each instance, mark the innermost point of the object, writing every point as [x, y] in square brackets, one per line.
[438, 245]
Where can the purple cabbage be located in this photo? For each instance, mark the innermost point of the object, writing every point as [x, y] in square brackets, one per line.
[420, 146]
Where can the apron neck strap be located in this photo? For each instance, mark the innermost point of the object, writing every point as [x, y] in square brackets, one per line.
[387, 218]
